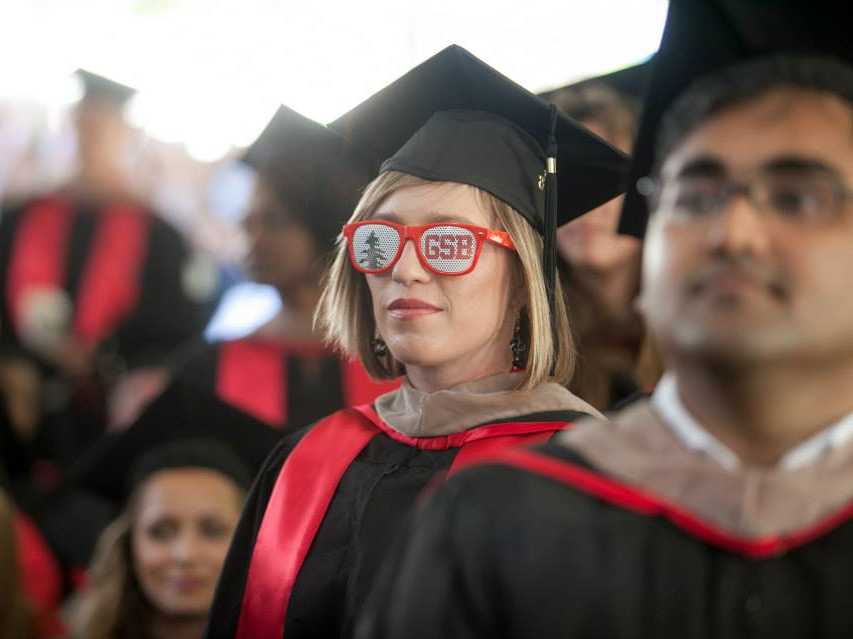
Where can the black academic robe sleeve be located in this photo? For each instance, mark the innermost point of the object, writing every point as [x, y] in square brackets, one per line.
[467, 568]
[435, 580]
[166, 316]
[225, 613]
[501, 552]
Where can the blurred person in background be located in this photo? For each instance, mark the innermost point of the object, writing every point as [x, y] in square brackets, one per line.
[615, 359]
[178, 490]
[95, 293]
[282, 374]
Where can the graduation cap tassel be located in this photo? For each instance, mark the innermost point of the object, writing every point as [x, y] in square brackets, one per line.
[549, 247]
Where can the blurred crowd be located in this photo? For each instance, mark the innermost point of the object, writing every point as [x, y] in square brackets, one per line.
[136, 449]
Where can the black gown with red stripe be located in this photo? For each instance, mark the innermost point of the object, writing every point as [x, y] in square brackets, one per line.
[324, 510]
[557, 548]
[282, 382]
[121, 266]
[123, 270]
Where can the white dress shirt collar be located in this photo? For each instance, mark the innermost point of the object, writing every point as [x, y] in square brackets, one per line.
[694, 437]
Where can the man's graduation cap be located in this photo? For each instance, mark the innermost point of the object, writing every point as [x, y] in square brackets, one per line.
[311, 170]
[98, 87]
[454, 118]
[702, 36]
[184, 427]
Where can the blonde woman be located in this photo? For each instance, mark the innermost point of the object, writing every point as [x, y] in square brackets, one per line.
[438, 276]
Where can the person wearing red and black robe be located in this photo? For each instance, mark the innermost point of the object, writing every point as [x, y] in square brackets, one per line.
[283, 374]
[95, 292]
[439, 276]
[722, 506]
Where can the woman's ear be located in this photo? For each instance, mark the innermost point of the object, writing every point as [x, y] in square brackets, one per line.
[518, 297]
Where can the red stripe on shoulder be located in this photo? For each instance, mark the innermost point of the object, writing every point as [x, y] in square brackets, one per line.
[251, 375]
[298, 503]
[39, 253]
[456, 440]
[649, 504]
[357, 385]
[485, 448]
[112, 279]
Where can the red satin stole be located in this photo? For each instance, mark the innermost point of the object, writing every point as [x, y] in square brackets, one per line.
[305, 488]
[111, 280]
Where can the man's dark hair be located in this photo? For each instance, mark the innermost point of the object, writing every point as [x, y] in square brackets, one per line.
[741, 83]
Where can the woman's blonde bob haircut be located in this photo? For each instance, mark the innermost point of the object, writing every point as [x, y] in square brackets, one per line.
[345, 310]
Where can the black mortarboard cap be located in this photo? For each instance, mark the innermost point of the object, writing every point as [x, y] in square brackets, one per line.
[311, 170]
[184, 427]
[703, 36]
[98, 87]
[454, 118]
[630, 81]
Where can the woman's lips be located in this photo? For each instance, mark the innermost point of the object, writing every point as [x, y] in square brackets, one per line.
[189, 584]
[410, 308]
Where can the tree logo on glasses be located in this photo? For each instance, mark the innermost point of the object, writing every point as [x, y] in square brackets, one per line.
[373, 257]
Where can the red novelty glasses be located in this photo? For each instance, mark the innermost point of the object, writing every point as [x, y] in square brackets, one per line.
[445, 248]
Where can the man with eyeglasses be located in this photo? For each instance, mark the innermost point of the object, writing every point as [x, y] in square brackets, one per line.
[722, 506]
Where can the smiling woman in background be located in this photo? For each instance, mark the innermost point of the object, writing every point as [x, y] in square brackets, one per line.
[178, 489]
[439, 276]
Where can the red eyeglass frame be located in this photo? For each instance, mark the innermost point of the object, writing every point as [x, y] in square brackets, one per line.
[414, 233]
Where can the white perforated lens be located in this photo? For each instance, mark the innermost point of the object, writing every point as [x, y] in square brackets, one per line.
[449, 249]
[374, 246]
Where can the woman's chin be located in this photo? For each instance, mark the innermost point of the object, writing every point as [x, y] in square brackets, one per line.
[189, 608]
[420, 355]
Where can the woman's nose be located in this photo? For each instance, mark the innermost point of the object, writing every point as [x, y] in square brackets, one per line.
[408, 268]
[185, 547]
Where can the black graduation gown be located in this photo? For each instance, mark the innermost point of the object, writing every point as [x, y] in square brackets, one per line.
[287, 384]
[159, 317]
[556, 548]
[367, 507]
[123, 270]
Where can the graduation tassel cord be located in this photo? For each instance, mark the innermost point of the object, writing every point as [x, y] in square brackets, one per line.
[549, 245]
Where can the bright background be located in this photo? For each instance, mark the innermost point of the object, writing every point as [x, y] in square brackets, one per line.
[211, 72]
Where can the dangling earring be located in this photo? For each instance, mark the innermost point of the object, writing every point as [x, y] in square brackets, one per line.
[380, 348]
[517, 346]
